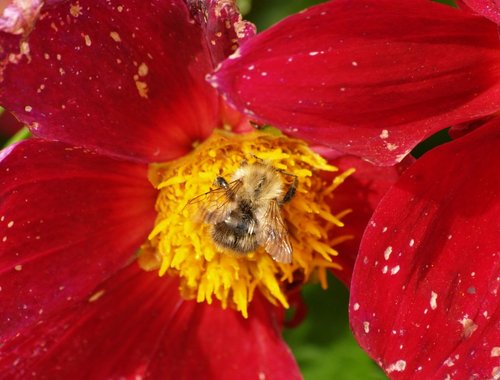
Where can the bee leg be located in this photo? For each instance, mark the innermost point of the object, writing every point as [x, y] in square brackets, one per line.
[258, 159]
[291, 190]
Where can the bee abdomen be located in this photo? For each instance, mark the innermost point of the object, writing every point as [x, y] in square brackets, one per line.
[234, 237]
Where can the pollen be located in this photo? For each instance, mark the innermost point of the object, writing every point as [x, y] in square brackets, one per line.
[181, 244]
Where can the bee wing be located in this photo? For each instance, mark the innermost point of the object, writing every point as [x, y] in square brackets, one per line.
[273, 235]
[215, 205]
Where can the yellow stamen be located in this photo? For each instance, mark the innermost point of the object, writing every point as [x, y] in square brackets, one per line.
[180, 245]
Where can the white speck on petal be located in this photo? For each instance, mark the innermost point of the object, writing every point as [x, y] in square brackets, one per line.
[355, 64]
[387, 252]
[495, 351]
[433, 300]
[94, 297]
[412, 242]
[399, 366]
[384, 229]
[88, 42]
[449, 362]
[75, 10]
[391, 147]
[384, 134]
[355, 306]
[469, 326]
[313, 53]
[142, 88]
[18, 268]
[366, 327]
[385, 269]
[143, 70]
[395, 270]
[28, 108]
[10, 224]
[24, 48]
[115, 36]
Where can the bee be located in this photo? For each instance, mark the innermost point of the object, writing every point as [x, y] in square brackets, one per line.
[245, 213]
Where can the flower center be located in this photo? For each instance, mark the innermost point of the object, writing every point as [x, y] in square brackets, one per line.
[244, 213]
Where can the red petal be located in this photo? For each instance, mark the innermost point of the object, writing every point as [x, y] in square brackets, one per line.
[219, 344]
[487, 8]
[127, 77]
[457, 131]
[223, 26]
[361, 192]
[424, 295]
[68, 219]
[139, 327]
[369, 77]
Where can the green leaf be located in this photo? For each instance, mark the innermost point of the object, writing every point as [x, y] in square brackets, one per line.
[265, 13]
[22, 134]
[244, 6]
[323, 344]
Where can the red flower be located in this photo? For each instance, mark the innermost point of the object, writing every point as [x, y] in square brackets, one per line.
[109, 88]
[424, 293]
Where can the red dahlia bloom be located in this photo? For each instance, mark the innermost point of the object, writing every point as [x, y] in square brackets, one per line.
[116, 97]
[424, 294]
